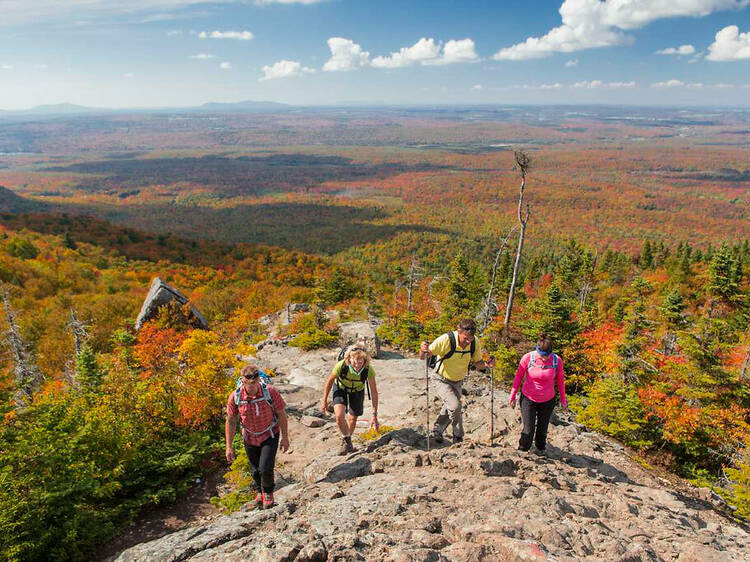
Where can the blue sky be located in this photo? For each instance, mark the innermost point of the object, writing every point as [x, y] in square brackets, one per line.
[157, 53]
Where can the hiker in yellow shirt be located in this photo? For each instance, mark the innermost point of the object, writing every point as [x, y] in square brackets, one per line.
[455, 351]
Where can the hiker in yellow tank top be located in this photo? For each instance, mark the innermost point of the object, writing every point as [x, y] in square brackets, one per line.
[450, 373]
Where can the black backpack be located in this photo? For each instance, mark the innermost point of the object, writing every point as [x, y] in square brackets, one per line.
[435, 362]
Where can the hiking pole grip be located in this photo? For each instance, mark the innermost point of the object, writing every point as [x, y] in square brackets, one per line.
[427, 398]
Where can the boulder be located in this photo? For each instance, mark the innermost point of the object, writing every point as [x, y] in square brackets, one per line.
[161, 294]
[312, 421]
[362, 333]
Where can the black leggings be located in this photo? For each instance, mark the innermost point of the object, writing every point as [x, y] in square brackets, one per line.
[262, 459]
[536, 415]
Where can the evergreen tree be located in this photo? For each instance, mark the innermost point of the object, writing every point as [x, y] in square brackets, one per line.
[646, 259]
[339, 287]
[464, 291]
[722, 281]
[673, 308]
[88, 374]
[555, 319]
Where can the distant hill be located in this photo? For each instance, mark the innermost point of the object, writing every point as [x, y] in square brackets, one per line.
[63, 109]
[12, 203]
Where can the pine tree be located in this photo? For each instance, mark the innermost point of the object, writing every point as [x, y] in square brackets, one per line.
[464, 291]
[646, 259]
[88, 374]
[673, 308]
[722, 280]
[555, 321]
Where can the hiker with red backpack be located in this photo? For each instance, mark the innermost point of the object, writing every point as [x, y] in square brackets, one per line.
[259, 408]
[454, 352]
[348, 379]
[542, 370]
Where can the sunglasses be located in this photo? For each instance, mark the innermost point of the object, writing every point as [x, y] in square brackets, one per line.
[251, 376]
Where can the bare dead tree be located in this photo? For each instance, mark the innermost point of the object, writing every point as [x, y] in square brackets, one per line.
[415, 272]
[523, 163]
[80, 335]
[490, 308]
[27, 375]
[588, 282]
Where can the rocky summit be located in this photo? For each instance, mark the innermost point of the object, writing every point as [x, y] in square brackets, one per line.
[583, 499]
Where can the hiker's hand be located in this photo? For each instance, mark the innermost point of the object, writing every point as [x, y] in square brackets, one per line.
[565, 408]
[324, 405]
[374, 422]
[230, 455]
[490, 362]
[512, 403]
[424, 347]
[284, 444]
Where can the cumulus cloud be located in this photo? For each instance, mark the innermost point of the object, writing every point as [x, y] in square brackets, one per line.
[202, 56]
[476, 87]
[682, 50]
[225, 65]
[238, 35]
[729, 44]
[600, 84]
[284, 69]
[555, 86]
[345, 55]
[571, 63]
[588, 24]
[429, 52]
[668, 84]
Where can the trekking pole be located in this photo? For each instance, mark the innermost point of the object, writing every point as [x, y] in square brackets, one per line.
[427, 398]
[492, 405]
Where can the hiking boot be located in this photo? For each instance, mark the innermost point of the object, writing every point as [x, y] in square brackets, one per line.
[458, 439]
[268, 502]
[437, 436]
[346, 446]
[259, 500]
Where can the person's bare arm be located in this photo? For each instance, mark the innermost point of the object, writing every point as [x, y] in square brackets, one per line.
[327, 391]
[230, 427]
[284, 428]
[374, 395]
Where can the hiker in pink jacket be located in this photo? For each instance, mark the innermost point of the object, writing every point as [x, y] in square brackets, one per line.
[542, 369]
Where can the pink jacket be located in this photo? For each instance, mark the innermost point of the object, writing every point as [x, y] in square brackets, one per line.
[540, 382]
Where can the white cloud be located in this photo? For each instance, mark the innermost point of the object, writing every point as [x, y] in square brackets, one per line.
[682, 50]
[461, 50]
[174, 32]
[695, 85]
[42, 66]
[723, 85]
[730, 44]
[284, 69]
[428, 52]
[225, 65]
[422, 51]
[7, 66]
[588, 24]
[202, 56]
[345, 55]
[555, 86]
[571, 63]
[668, 84]
[476, 87]
[593, 84]
[239, 35]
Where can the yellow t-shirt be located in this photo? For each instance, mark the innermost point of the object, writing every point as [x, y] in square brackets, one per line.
[456, 366]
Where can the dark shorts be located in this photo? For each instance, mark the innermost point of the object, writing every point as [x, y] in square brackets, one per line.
[353, 401]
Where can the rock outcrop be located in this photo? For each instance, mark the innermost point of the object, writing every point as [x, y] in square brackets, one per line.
[585, 499]
[161, 294]
[362, 333]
